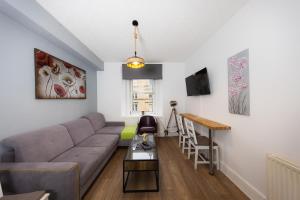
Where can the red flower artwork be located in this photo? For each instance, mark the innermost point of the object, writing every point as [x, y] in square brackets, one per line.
[60, 91]
[77, 74]
[41, 59]
[40, 55]
[40, 63]
[82, 89]
[58, 79]
[68, 66]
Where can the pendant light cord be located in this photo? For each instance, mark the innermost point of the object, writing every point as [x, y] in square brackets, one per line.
[135, 38]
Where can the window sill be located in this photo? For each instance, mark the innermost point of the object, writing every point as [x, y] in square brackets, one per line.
[135, 116]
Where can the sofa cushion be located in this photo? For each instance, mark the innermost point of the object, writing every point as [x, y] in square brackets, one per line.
[116, 130]
[128, 133]
[25, 196]
[79, 129]
[100, 141]
[88, 158]
[96, 119]
[40, 145]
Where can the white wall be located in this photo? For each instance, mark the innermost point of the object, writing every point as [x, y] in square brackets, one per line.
[19, 110]
[111, 88]
[270, 29]
[37, 19]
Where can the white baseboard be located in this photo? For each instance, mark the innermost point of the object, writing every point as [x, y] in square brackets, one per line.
[252, 192]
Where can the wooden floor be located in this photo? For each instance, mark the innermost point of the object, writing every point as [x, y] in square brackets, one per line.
[178, 179]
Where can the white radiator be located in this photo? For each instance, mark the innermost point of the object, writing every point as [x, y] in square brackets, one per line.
[283, 179]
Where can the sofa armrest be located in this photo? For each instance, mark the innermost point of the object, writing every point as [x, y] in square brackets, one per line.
[60, 179]
[110, 123]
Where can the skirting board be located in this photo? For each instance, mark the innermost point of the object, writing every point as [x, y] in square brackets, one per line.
[242, 184]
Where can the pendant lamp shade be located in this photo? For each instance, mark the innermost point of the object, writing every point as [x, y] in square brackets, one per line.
[135, 62]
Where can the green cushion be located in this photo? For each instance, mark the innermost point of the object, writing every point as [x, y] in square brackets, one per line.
[128, 132]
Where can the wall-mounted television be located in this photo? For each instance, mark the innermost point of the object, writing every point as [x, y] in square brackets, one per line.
[198, 83]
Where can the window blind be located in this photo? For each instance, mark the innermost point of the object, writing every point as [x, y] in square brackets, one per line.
[150, 71]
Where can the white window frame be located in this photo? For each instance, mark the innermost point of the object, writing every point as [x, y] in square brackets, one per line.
[128, 99]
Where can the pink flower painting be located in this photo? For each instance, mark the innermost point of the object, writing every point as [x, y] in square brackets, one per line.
[238, 83]
[57, 79]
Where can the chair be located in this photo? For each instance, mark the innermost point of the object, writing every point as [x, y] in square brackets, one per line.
[199, 143]
[183, 136]
[147, 124]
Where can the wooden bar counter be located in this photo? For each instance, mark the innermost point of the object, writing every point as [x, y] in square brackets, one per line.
[212, 126]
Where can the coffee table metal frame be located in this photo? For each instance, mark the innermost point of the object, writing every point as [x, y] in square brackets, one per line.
[126, 176]
[140, 165]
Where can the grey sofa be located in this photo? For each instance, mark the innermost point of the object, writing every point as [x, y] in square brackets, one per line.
[63, 159]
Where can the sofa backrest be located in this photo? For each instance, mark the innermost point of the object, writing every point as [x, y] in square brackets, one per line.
[79, 129]
[40, 145]
[6, 153]
[96, 119]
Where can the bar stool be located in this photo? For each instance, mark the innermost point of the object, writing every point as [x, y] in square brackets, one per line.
[199, 143]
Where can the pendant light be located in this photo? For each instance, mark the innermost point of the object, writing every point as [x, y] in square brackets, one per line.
[135, 62]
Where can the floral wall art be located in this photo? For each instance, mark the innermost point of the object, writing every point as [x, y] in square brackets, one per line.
[57, 79]
[238, 83]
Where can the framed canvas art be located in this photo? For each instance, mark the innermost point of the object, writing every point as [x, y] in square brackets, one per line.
[238, 83]
[57, 79]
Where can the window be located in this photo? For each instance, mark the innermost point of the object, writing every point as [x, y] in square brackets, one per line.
[142, 96]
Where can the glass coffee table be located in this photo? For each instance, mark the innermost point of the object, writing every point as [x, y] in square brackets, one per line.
[139, 160]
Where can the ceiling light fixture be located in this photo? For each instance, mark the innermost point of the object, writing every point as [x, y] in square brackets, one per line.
[135, 62]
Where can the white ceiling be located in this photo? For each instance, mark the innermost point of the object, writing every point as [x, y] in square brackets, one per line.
[170, 30]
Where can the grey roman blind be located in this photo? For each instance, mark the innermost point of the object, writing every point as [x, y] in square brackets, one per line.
[150, 71]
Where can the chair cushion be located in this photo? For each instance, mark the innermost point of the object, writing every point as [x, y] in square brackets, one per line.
[116, 130]
[79, 129]
[147, 129]
[100, 140]
[88, 158]
[40, 145]
[96, 119]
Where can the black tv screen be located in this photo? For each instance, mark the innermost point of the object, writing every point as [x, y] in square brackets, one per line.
[198, 83]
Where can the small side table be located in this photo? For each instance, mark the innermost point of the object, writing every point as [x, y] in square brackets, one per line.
[39, 195]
